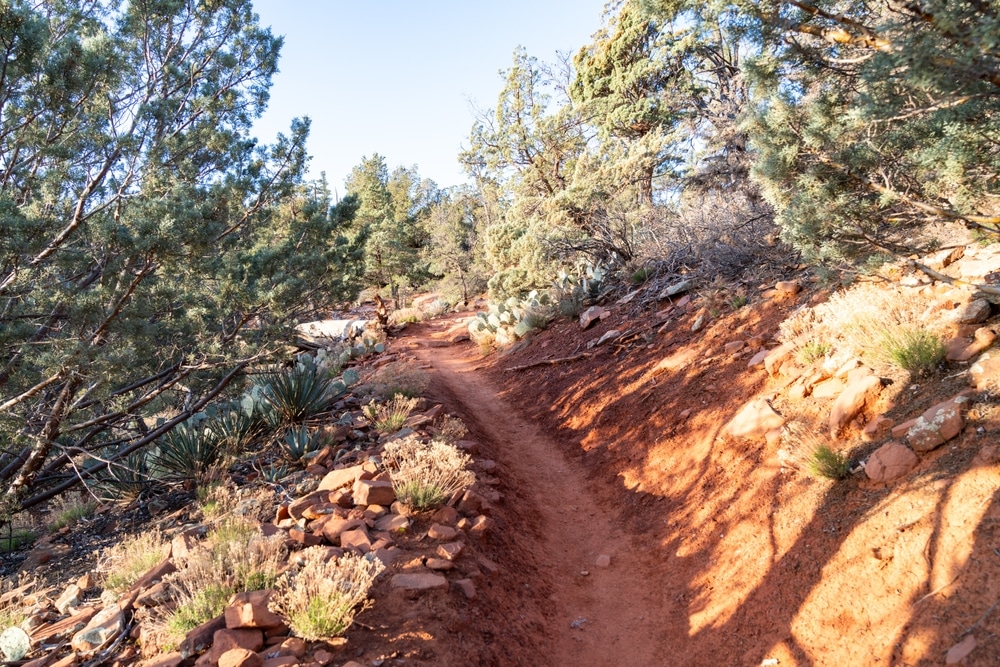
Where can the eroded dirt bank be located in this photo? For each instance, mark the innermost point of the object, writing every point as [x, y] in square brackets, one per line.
[719, 555]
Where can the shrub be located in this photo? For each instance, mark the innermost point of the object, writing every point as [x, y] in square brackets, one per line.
[390, 417]
[67, 510]
[124, 563]
[187, 452]
[406, 316]
[321, 600]
[300, 392]
[125, 479]
[813, 351]
[451, 429]
[235, 558]
[738, 301]
[425, 474]
[915, 350]
[234, 427]
[825, 462]
[13, 538]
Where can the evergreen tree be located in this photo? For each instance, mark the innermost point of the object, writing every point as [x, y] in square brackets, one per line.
[142, 230]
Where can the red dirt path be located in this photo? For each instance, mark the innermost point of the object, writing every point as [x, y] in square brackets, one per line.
[718, 556]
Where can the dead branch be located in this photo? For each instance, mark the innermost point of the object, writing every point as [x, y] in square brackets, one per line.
[549, 362]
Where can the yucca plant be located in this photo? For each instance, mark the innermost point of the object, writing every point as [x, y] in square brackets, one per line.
[298, 442]
[186, 452]
[125, 479]
[233, 427]
[300, 392]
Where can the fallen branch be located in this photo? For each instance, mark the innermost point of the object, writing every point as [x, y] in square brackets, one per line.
[987, 289]
[549, 362]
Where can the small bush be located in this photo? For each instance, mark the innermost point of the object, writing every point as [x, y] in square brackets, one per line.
[202, 605]
[813, 351]
[639, 276]
[425, 474]
[825, 462]
[67, 510]
[390, 417]
[451, 429]
[124, 563]
[738, 301]
[915, 350]
[321, 600]
[233, 427]
[125, 479]
[13, 538]
[406, 316]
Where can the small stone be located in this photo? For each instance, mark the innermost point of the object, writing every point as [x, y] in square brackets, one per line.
[754, 420]
[733, 347]
[418, 582]
[757, 360]
[440, 532]
[858, 394]
[591, 316]
[960, 651]
[249, 610]
[603, 560]
[877, 428]
[890, 461]
[69, 598]
[974, 312]
[481, 525]
[357, 540]
[776, 358]
[937, 425]
[336, 479]
[984, 374]
[304, 538]
[240, 657]
[392, 523]
[439, 564]
[451, 550]
[446, 515]
[788, 287]
[371, 492]
[465, 587]
[100, 631]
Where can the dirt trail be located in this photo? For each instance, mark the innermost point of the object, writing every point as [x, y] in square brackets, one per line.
[594, 616]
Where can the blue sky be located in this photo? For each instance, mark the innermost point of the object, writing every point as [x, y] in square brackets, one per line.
[399, 77]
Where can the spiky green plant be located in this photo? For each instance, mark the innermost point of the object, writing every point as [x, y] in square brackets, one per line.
[233, 427]
[187, 452]
[300, 392]
[390, 417]
[299, 442]
[125, 479]
[813, 351]
[915, 350]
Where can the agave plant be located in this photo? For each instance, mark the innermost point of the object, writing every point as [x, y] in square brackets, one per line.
[234, 427]
[186, 452]
[300, 392]
[125, 479]
[299, 442]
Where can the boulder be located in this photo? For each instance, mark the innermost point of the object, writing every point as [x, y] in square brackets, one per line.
[776, 358]
[755, 419]
[984, 374]
[937, 425]
[890, 461]
[240, 657]
[592, 315]
[860, 392]
[441, 532]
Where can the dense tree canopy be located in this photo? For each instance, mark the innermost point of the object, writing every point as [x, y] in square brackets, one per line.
[150, 249]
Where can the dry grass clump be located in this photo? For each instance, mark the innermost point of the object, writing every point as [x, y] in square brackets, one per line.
[451, 429]
[123, 564]
[70, 508]
[811, 454]
[397, 378]
[425, 474]
[882, 323]
[234, 558]
[389, 417]
[321, 599]
[406, 316]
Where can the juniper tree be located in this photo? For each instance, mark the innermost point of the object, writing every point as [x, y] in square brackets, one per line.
[150, 249]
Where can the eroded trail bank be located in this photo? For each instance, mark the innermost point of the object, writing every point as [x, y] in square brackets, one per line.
[594, 593]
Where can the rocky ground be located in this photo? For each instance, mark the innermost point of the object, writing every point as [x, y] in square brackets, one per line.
[642, 502]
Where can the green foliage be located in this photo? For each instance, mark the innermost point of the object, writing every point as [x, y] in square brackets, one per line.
[188, 452]
[123, 479]
[299, 442]
[299, 392]
[151, 248]
[390, 417]
[813, 351]
[13, 538]
[827, 463]
[206, 604]
[916, 350]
